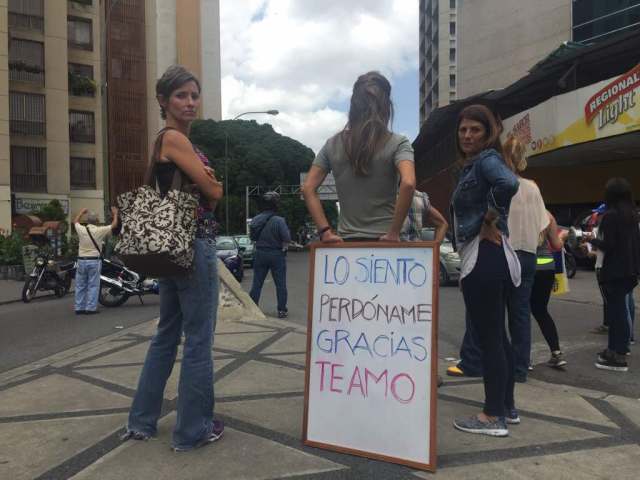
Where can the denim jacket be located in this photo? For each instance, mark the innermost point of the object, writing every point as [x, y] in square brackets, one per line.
[486, 182]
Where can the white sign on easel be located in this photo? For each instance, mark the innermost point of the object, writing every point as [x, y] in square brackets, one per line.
[372, 350]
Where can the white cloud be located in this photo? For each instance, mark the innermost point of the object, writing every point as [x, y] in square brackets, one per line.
[300, 56]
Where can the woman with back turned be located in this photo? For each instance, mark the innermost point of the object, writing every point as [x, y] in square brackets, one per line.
[617, 268]
[489, 266]
[189, 303]
[371, 165]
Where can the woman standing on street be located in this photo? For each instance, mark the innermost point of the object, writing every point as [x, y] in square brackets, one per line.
[489, 266]
[618, 268]
[527, 220]
[552, 241]
[371, 165]
[188, 304]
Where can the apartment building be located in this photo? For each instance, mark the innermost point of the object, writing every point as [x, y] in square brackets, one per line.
[77, 94]
[500, 41]
[50, 139]
[438, 54]
[541, 66]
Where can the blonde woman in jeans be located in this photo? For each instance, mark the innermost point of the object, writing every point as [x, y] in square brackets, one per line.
[527, 220]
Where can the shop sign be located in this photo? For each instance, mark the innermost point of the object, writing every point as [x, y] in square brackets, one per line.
[601, 110]
[29, 205]
[614, 99]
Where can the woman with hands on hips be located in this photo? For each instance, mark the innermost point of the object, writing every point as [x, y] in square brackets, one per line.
[373, 169]
[489, 266]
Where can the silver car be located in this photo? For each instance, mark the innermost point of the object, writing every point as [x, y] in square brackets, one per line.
[449, 263]
[449, 259]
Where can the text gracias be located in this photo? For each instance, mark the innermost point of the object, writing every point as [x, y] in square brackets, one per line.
[402, 271]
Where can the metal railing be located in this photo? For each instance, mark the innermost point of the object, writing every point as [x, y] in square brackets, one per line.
[27, 128]
[27, 22]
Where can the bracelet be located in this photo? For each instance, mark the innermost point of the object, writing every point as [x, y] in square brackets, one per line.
[322, 231]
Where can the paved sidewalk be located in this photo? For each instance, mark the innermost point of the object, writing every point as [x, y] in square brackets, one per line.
[11, 291]
[60, 418]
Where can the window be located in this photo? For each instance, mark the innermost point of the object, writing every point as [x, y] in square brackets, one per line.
[594, 21]
[452, 4]
[26, 61]
[28, 14]
[81, 127]
[26, 114]
[83, 173]
[28, 169]
[452, 28]
[81, 82]
[126, 69]
[80, 33]
[452, 81]
[452, 55]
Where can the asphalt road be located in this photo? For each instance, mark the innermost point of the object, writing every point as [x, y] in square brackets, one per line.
[48, 325]
[32, 331]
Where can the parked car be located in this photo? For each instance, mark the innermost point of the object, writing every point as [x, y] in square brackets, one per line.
[249, 248]
[230, 253]
[449, 263]
[295, 247]
[449, 259]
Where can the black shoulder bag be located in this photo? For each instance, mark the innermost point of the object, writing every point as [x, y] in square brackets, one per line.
[95, 244]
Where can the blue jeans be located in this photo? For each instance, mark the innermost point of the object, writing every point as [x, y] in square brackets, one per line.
[276, 261]
[617, 312]
[188, 304]
[87, 285]
[470, 352]
[519, 307]
[485, 292]
[631, 313]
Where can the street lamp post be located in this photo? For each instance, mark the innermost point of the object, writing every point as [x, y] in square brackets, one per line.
[226, 161]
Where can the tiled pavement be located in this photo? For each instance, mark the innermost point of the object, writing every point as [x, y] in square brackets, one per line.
[60, 418]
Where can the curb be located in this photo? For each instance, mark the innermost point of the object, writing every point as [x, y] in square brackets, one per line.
[18, 300]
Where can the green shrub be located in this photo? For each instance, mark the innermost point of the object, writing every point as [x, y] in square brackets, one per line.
[11, 249]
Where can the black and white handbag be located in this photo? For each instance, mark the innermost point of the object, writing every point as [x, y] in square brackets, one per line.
[157, 233]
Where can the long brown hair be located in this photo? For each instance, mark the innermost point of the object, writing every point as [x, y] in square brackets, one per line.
[370, 113]
[491, 122]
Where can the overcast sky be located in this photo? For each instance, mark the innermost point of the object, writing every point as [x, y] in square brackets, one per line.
[302, 57]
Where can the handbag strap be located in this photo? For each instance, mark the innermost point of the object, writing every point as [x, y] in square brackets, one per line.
[95, 244]
[150, 176]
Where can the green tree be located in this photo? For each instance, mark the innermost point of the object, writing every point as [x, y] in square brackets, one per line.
[257, 155]
[52, 211]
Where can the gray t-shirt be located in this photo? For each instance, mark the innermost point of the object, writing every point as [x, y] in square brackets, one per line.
[366, 202]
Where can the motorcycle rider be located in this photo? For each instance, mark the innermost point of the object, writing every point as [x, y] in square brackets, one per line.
[90, 237]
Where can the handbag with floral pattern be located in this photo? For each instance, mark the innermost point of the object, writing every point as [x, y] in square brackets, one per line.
[157, 233]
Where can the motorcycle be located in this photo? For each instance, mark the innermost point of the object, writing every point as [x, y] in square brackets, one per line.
[118, 283]
[48, 274]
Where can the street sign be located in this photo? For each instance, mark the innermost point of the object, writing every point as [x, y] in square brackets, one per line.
[371, 381]
[327, 190]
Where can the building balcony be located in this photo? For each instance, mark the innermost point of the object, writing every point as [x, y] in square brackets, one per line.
[26, 22]
[27, 128]
[21, 72]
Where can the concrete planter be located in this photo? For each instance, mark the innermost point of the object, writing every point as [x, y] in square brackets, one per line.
[15, 272]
